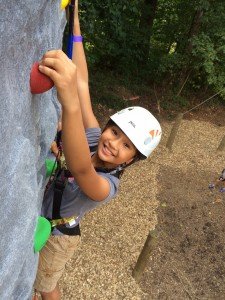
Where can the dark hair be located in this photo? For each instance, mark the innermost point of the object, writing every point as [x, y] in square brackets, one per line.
[109, 124]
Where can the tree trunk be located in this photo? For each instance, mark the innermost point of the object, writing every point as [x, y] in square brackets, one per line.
[194, 29]
[148, 10]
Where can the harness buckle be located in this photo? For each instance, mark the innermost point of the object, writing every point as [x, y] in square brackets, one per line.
[69, 220]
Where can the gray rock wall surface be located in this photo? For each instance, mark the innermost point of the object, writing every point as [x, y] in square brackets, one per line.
[27, 126]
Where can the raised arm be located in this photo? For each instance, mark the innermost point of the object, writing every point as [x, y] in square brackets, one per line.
[79, 60]
[63, 72]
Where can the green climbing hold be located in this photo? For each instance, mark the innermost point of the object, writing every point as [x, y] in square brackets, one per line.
[51, 166]
[42, 233]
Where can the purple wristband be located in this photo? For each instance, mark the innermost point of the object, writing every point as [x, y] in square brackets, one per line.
[77, 38]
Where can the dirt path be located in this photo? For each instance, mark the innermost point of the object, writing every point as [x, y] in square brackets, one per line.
[169, 192]
[190, 261]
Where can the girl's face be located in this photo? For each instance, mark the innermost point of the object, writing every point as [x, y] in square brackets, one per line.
[115, 148]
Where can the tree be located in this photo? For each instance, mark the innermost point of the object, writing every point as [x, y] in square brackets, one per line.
[161, 40]
[147, 16]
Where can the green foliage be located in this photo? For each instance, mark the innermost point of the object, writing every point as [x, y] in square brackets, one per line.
[209, 49]
[111, 31]
[204, 60]
[185, 51]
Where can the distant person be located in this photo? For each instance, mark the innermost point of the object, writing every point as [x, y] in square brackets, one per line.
[94, 160]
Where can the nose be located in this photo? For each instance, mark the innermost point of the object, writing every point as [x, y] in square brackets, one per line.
[115, 143]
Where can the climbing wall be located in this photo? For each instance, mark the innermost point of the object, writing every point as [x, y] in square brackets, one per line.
[27, 126]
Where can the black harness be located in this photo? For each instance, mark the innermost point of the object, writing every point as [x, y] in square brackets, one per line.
[60, 180]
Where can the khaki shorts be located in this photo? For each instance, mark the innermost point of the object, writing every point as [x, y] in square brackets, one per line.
[52, 260]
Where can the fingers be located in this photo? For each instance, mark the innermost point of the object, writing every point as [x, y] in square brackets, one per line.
[55, 63]
[62, 71]
[56, 59]
[55, 54]
[49, 72]
[53, 58]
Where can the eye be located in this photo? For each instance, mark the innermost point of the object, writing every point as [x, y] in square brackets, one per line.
[127, 146]
[114, 131]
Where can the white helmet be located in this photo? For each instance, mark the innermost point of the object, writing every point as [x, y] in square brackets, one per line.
[140, 126]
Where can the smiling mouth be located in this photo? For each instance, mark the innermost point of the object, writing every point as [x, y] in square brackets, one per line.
[107, 151]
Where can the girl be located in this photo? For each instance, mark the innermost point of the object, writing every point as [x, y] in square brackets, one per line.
[91, 163]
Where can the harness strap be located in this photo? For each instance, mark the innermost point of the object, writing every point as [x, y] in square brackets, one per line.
[69, 231]
[60, 224]
[59, 186]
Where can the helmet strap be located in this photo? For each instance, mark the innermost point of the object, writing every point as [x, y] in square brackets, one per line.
[125, 165]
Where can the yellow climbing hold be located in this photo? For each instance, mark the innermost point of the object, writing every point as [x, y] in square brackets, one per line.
[64, 3]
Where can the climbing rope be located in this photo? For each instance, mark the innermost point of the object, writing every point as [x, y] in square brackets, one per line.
[71, 9]
[203, 102]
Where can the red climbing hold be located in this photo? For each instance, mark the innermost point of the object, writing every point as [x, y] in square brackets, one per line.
[39, 82]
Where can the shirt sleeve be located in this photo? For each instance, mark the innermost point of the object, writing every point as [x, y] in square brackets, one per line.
[114, 185]
[93, 135]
